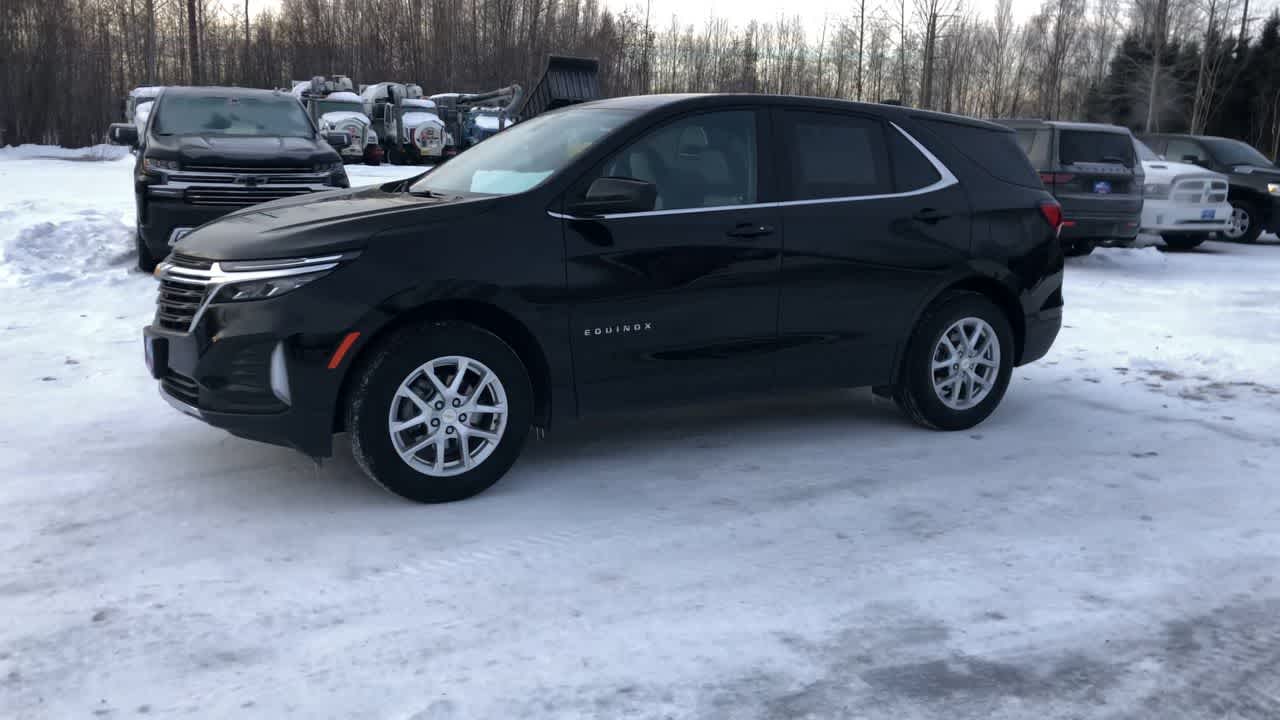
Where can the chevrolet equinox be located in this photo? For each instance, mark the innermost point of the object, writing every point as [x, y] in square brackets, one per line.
[638, 250]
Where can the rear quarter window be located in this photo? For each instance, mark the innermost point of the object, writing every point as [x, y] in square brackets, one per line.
[1092, 146]
[994, 150]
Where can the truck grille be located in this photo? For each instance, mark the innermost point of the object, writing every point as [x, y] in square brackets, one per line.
[189, 261]
[240, 196]
[181, 387]
[1199, 191]
[178, 303]
[273, 170]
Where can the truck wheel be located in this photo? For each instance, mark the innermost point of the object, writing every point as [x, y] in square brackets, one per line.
[1184, 241]
[440, 412]
[394, 156]
[1079, 248]
[1246, 222]
[146, 261]
[958, 363]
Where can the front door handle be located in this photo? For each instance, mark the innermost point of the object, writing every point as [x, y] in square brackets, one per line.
[930, 215]
[750, 230]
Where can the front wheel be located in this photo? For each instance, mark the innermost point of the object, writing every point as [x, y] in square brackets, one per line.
[958, 363]
[1246, 222]
[440, 412]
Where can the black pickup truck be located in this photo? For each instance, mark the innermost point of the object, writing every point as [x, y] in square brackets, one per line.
[206, 151]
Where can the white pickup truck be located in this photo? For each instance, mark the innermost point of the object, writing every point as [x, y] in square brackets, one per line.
[1182, 203]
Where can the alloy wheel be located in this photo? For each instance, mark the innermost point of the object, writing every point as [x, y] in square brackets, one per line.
[1239, 224]
[448, 416]
[966, 363]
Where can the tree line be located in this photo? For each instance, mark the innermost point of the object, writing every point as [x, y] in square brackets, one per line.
[1158, 64]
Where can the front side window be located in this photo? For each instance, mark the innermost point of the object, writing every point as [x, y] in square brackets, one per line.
[523, 156]
[700, 161]
[832, 155]
[268, 116]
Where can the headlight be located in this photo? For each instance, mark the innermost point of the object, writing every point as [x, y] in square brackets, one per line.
[1156, 191]
[329, 167]
[152, 165]
[262, 279]
[267, 288]
[1273, 188]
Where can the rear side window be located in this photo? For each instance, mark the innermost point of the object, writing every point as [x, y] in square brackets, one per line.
[1092, 146]
[832, 155]
[911, 170]
[994, 150]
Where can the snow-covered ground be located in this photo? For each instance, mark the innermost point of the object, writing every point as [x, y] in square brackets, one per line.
[1106, 546]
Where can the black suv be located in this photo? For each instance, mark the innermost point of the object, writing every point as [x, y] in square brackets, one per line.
[1255, 181]
[1092, 170]
[639, 250]
[208, 150]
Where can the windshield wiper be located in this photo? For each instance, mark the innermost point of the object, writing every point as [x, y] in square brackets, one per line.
[425, 193]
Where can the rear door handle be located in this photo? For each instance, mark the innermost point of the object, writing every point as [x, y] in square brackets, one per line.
[930, 215]
[750, 230]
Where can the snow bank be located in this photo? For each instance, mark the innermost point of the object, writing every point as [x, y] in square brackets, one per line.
[54, 152]
[70, 249]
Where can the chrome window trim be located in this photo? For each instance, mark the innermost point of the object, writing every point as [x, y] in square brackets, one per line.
[945, 180]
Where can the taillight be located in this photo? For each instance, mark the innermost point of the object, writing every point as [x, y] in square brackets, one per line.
[1049, 178]
[1052, 213]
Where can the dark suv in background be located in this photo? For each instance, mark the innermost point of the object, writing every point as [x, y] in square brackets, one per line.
[611, 255]
[1093, 171]
[1254, 180]
[208, 150]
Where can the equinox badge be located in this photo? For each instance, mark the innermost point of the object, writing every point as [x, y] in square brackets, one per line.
[618, 329]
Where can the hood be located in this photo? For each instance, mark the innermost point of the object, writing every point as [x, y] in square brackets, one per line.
[1164, 171]
[338, 117]
[320, 223]
[1270, 173]
[241, 151]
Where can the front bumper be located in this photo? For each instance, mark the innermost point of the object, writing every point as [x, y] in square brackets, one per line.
[162, 216]
[1099, 227]
[1166, 216]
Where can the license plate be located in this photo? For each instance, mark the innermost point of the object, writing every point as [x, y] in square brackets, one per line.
[1206, 214]
[1102, 187]
[155, 352]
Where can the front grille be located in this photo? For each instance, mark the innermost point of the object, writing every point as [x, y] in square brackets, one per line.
[240, 196]
[178, 303]
[273, 170]
[1200, 191]
[181, 387]
[190, 261]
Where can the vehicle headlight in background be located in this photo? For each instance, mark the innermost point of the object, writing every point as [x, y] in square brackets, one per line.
[1273, 188]
[329, 167]
[1156, 191]
[153, 165]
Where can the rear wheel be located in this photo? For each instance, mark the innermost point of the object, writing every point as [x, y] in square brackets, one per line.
[1246, 222]
[1184, 241]
[958, 363]
[440, 412]
[1079, 248]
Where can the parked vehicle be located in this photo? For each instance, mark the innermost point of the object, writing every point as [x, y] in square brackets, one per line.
[333, 107]
[1092, 170]
[1254, 194]
[460, 112]
[626, 252]
[137, 105]
[1182, 203]
[410, 130]
[208, 150]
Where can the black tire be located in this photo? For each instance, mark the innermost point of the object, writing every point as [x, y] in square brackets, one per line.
[374, 389]
[1184, 241]
[394, 156]
[146, 261]
[914, 391]
[1079, 248]
[1254, 216]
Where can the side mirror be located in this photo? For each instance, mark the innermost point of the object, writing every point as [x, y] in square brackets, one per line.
[616, 195]
[337, 140]
[123, 134]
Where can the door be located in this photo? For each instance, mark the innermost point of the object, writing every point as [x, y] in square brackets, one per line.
[872, 222]
[681, 301]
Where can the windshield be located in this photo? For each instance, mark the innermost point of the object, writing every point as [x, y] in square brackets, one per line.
[328, 106]
[523, 156]
[228, 115]
[1145, 153]
[1234, 152]
[1092, 146]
